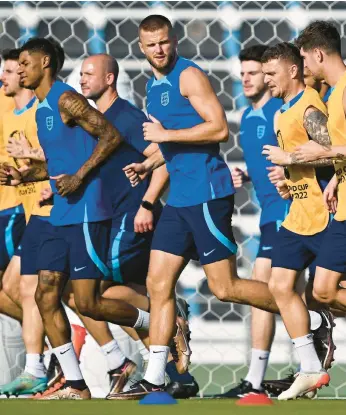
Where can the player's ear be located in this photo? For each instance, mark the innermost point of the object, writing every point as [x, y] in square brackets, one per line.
[319, 55]
[141, 46]
[294, 71]
[110, 79]
[46, 61]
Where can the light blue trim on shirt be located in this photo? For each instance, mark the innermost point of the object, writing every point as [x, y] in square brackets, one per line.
[213, 196]
[215, 231]
[117, 277]
[161, 81]
[27, 107]
[90, 248]
[256, 113]
[44, 104]
[290, 103]
[9, 237]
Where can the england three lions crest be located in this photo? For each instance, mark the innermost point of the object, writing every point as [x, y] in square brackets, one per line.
[49, 123]
[261, 129]
[165, 98]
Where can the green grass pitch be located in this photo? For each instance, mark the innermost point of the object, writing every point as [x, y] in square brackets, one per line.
[191, 407]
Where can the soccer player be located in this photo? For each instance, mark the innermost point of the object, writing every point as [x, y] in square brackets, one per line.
[74, 243]
[257, 129]
[189, 123]
[135, 210]
[302, 117]
[320, 46]
[21, 122]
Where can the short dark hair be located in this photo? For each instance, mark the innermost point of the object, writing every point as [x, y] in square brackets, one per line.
[59, 53]
[11, 54]
[285, 51]
[252, 53]
[155, 22]
[46, 47]
[114, 69]
[322, 35]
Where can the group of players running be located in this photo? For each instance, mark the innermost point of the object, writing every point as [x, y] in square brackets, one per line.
[81, 219]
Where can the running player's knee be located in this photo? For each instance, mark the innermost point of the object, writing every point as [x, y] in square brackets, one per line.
[222, 292]
[279, 287]
[323, 295]
[47, 291]
[88, 307]
[159, 287]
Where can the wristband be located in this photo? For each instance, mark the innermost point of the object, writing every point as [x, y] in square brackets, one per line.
[147, 205]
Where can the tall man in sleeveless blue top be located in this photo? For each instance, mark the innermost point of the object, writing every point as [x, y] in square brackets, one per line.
[188, 123]
[75, 242]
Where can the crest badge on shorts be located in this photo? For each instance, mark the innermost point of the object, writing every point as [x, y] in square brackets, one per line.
[165, 98]
[261, 129]
[49, 123]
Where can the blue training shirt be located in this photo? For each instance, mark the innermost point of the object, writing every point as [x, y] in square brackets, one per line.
[125, 199]
[257, 130]
[66, 150]
[197, 172]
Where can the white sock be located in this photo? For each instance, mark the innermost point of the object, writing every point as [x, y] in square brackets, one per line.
[142, 320]
[142, 350]
[157, 365]
[309, 361]
[258, 366]
[34, 365]
[114, 356]
[315, 320]
[68, 361]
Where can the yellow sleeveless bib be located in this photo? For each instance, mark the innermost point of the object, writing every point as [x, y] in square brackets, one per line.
[307, 215]
[337, 131]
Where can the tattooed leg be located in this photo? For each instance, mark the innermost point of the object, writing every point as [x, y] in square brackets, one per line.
[48, 299]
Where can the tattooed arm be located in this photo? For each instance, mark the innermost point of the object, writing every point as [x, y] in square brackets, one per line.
[20, 148]
[75, 110]
[10, 176]
[315, 124]
[320, 149]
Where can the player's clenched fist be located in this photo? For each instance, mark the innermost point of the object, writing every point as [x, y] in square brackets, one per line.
[283, 190]
[239, 177]
[154, 131]
[135, 172]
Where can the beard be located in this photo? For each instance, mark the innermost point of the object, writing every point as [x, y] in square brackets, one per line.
[170, 59]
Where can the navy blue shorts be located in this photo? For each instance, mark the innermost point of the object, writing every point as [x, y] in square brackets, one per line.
[79, 251]
[294, 251]
[205, 229]
[128, 255]
[332, 254]
[269, 233]
[11, 230]
[30, 243]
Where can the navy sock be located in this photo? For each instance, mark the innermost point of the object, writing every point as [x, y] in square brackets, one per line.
[173, 374]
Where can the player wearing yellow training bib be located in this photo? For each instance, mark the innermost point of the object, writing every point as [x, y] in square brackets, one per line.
[320, 46]
[301, 118]
[12, 220]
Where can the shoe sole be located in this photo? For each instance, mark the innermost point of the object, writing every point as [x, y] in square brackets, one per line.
[322, 381]
[119, 386]
[183, 362]
[327, 364]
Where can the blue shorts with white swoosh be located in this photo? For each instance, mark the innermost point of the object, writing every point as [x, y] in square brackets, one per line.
[268, 236]
[201, 232]
[79, 250]
[12, 227]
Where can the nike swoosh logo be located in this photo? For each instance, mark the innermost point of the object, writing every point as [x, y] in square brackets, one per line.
[65, 351]
[241, 132]
[263, 358]
[328, 326]
[78, 269]
[208, 253]
[162, 351]
[267, 248]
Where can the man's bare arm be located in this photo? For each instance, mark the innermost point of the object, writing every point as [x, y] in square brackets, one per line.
[75, 109]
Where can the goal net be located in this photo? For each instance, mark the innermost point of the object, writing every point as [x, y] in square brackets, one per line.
[211, 33]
